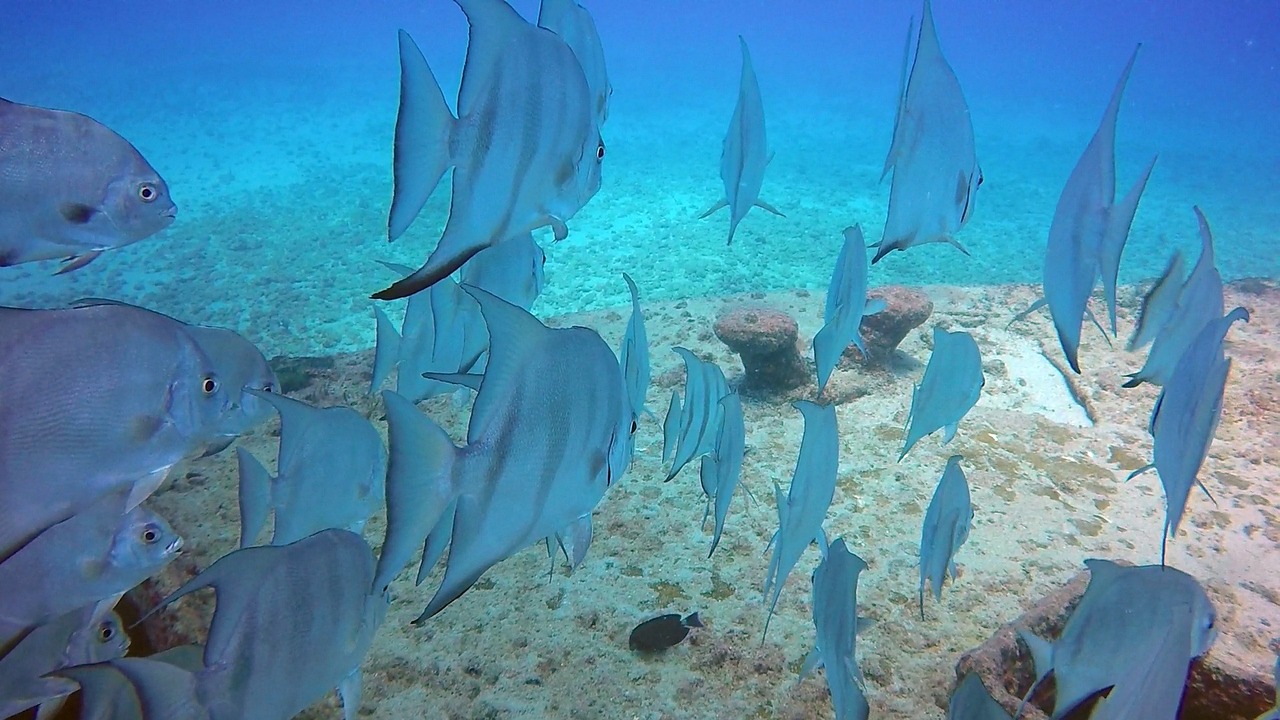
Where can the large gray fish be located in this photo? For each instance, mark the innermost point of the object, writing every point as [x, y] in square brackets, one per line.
[1158, 304]
[952, 382]
[971, 701]
[1089, 229]
[1110, 629]
[292, 622]
[935, 170]
[804, 507]
[722, 468]
[331, 472]
[572, 22]
[550, 399]
[90, 634]
[846, 305]
[946, 527]
[525, 148]
[512, 270]
[442, 332]
[700, 415]
[97, 553]
[71, 188]
[835, 618]
[1186, 416]
[746, 151]
[1152, 688]
[1199, 303]
[634, 354]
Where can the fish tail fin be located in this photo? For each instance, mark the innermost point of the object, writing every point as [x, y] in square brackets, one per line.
[693, 621]
[721, 203]
[420, 485]
[255, 496]
[386, 353]
[424, 125]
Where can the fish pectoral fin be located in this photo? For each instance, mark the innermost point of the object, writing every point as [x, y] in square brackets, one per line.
[721, 203]
[812, 662]
[1027, 313]
[559, 230]
[1206, 492]
[764, 205]
[948, 239]
[873, 306]
[1139, 471]
[75, 262]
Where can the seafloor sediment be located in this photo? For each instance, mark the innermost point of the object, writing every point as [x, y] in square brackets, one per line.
[1048, 489]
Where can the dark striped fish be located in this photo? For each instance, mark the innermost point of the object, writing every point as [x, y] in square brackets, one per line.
[550, 430]
[722, 468]
[634, 355]
[700, 415]
[950, 387]
[525, 148]
[745, 153]
[935, 170]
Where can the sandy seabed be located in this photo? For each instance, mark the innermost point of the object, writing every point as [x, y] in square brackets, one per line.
[1047, 486]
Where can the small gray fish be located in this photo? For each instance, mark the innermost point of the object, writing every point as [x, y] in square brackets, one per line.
[135, 395]
[952, 382]
[745, 154]
[700, 415]
[1158, 304]
[549, 398]
[722, 468]
[804, 507]
[946, 527]
[972, 701]
[1186, 416]
[835, 620]
[331, 472]
[1199, 303]
[935, 169]
[100, 552]
[526, 148]
[662, 632]
[90, 634]
[1110, 629]
[1089, 229]
[512, 270]
[845, 308]
[572, 22]
[634, 354]
[71, 188]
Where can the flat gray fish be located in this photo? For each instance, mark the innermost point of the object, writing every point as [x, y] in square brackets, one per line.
[264, 658]
[90, 634]
[1088, 224]
[1186, 416]
[804, 507]
[100, 552]
[952, 382]
[972, 701]
[1110, 629]
[135, 395]
[552, 399]
[1152, 689]
[745, 153]
[700, 414]
[946, 527]
[1158, 304]
[71, 188]
[935, 168]
[572, 22]
[722, 468]
[835, 619]
[846, 305]
[634, 354]
[671, 427]
[512, 270]
[525, 148]
[331, 471]
[442, 332]
[1199, 303]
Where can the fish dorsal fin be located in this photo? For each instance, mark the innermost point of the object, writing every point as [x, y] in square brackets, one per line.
[892, 157]
[493, 25]
[514, 335]
[386, 349]
[296, 420]
[255, 496]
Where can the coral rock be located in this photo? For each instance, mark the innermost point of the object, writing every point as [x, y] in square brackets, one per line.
[905, 310]
[767, 341]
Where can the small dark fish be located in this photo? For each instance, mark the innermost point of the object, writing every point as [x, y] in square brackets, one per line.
[662, 632]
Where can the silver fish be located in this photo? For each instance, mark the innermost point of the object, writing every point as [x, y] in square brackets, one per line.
[135, 394]
[71, 188]
[804, 507]
[572, 22]
[835, 619]
[946, 527]
[845, 306]
[1110, 629]
[971, 701]
[745, 154]
[1158, 304]
[1152, 688]
[952, 382]
[331, 472]
[525, 148]
[935, 169]
[1186, 416]
[549, 398]
[700, 415]
[512, 270]
[722, 468]
[89, 634]
[634, 354]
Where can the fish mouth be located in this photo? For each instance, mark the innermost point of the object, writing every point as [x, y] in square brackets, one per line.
[174, 547]
[170, 213]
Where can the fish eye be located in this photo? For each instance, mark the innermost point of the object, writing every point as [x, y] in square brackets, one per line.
[600, 152]
[981, 177]
[267, 388]
[634, 427]
[106, 632]
[151, 534]
[147, 192]
[209, 386]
